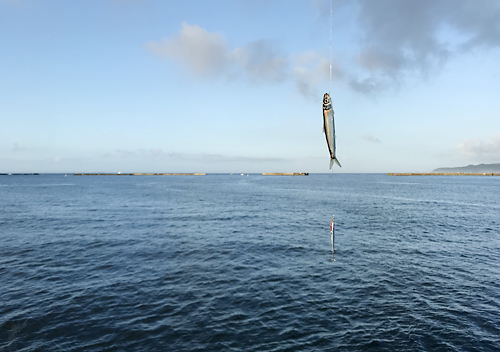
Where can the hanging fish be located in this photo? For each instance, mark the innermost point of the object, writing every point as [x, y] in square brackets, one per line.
[329, 128]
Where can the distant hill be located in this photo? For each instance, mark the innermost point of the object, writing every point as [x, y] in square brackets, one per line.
[471, 168]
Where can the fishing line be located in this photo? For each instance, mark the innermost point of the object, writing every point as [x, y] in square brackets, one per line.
[332, 222]
[331, 46]
[332, 233]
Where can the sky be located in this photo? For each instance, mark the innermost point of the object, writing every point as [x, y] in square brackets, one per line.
[237, 85]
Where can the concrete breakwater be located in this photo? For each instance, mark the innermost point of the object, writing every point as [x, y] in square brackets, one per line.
[144, 174]
[445, 174]
[285, 173]
[187, 174]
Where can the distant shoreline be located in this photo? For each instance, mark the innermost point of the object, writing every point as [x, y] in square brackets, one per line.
[481, 168]
[446, 174]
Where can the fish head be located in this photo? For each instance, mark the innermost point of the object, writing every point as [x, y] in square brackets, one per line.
[326, 100]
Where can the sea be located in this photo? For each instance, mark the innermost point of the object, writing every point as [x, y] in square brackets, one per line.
[244, 263]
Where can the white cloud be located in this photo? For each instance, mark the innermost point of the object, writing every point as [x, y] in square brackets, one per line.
[137, 154]
[17, 148]
[261, 61]
[143, 154]
[203, 53]
[207, 54]
[371, 139]
[480, 150]
[310, 70]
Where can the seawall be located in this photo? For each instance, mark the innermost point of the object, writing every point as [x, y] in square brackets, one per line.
[285, 173]
[144, 174]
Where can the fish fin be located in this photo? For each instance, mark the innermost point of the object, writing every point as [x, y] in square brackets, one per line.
[334, 160]
[337, 162]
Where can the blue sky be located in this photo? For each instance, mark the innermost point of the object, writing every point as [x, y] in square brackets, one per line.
[237, 86]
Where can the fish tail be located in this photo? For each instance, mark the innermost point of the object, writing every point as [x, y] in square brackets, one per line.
[332, 160]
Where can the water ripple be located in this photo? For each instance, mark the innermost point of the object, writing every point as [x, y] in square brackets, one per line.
[215, 263]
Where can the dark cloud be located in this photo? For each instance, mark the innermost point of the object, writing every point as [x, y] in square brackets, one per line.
[401, 35]
[420, 36]
[397, 39]
[478, 22]
[367, 85]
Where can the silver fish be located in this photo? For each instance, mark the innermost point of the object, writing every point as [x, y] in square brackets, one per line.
[329, 128]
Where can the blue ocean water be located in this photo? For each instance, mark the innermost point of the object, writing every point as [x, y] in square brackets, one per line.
[243, 263]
